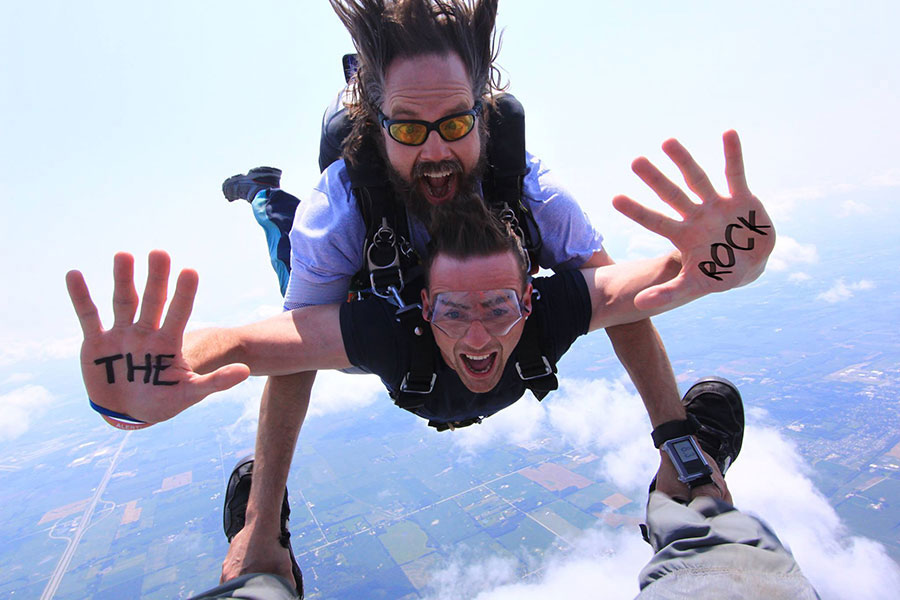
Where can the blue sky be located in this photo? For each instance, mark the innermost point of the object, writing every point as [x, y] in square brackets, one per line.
[120, 120]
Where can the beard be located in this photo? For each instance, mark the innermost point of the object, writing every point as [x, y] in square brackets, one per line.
[411, 196]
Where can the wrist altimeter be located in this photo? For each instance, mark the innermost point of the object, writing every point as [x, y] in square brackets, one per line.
[692, 467]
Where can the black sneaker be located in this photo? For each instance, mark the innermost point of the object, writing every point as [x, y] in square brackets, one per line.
[237, 494]
[247, 186]
[716, 403]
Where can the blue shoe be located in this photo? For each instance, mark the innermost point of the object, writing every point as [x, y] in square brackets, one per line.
[247, 186]
[237, 494]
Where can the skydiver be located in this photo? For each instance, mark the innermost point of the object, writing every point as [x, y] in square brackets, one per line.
[428, 63]
[476, 304]
[412, 68]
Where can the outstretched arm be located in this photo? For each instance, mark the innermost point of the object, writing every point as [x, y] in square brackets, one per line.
[140, 369]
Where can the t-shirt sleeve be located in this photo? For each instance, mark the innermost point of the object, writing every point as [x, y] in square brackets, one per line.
[372, 338]
[568, 237]
[326, 243]
[563, 310]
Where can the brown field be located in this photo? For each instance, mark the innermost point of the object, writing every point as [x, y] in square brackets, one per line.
[555, 478]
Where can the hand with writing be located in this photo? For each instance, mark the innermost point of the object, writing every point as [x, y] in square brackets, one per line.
[135, 371]
[724, 241]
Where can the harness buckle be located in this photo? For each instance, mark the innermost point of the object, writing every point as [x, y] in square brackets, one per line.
[383, 258]
[536, 371]
[417, 385]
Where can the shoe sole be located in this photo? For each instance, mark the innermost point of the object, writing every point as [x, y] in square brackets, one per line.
[269, 176]
[717, 405]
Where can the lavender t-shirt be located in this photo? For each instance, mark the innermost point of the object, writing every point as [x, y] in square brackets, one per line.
[328, 234]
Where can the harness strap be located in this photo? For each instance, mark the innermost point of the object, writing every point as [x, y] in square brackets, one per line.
[387, 253]
[419, 380]
[441, 426]
[502, 183]
[535, 369]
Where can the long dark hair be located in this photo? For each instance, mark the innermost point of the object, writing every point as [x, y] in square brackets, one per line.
[385, 30]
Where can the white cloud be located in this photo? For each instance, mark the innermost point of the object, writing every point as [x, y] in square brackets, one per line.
[769, 479]
[841, 291]
[888, 179]
[333, 392]
[799, 277]
[19, 407]
[17, 378]
[853, 207]
[782, 205]
[16, 350]
[789, 252]
[336, 392]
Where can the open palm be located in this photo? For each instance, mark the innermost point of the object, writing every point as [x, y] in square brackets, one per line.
[135, 371]
[724, 241]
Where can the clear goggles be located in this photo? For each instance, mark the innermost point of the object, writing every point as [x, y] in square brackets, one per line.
[497, 310]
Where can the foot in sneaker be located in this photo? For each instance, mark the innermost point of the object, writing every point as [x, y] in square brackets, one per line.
[716, 403]
[247, 186]
[237, 494]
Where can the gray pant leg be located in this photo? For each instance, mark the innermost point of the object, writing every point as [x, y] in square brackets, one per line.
[709, 549]
[255, 586]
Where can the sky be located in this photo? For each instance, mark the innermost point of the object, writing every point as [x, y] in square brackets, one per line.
[119, 121]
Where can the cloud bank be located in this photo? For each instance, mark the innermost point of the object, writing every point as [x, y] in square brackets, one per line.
[19, 407]
[769, 479]
[840, 291]
[789, 254]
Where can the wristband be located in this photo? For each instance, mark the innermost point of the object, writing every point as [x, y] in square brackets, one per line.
[119, 420]
[706, 480]
[675, 429]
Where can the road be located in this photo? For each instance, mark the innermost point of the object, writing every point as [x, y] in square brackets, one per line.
[63, 565]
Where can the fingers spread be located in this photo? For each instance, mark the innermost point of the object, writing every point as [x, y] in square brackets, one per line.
[734, 164]
[667, 191]
[85, 308]
[182, 303]
[154, 298]
[656, 222]
[694, 176]
[125, 298]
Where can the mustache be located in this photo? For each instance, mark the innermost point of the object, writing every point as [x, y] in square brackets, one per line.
[421, 169]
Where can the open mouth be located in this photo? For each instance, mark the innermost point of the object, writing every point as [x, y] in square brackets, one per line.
[438, 180]
[479, 364]
[438, 187]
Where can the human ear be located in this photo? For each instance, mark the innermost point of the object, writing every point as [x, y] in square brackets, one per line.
[526, 300]
[426, 305]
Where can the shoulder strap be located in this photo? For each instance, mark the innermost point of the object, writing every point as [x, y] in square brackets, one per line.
[533, 366]
[507, 168]
[419, 380]
[389, 259]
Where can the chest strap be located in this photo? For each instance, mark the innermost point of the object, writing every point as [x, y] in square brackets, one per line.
[533, 366]
[419, 380]
[389, 258]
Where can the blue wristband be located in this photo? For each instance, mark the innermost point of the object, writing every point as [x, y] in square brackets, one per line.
[120, 420]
